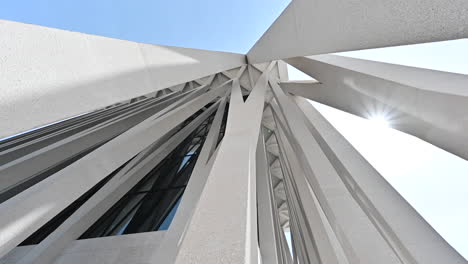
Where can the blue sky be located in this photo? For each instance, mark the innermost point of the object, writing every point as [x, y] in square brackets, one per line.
[206, 24]
[432, 180]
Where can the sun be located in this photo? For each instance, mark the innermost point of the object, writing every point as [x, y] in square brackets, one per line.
[379, 121]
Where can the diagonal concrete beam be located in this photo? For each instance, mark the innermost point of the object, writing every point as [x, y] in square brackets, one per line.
[430, 105]
[98, 204]
[407, 233]
[167, 253]
[231, 184]
[49, 74]
[311, 27]
[26, 212]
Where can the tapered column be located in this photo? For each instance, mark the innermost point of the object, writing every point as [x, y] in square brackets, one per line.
[311, 27]
[29, 210]
[358, 237]
[430, 105]
[358, 214]
[410, 236]
[26, 162]
[223, 226]
[268, 225]
[72, 228]
[51, 74]
[321, 245]
[169, 248]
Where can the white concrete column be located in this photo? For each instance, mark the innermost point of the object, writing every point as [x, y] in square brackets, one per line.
[320, 241]
[300, 236]
[169, 248]
[75, 225]
[32, 208]
[223, 226]
[356, 233]
[64, 73]
[269, 241]
[401, 226]
[311, 27]
[25, 166]
[428, 104]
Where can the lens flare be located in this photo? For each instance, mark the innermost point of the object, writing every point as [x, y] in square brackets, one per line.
[379, 121]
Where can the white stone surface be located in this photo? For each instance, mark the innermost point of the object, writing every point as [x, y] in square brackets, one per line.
[310, 27]
[29, 210]
[108, 195]
[223, 226]
[428, 104]
[410, 236]
[167, 253]
[340, 209]
[49, 74]
[124, 249]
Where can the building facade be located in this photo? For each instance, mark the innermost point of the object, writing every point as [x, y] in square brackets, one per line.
[122, 152]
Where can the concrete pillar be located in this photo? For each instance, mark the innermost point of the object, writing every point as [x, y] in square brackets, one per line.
[428, 104]
[64, 73]
[227, 205]
[312, 27]
[410, 236]
[321, 243]
[358, 236]
[32, 208]
[74, 226]
[169, 249]
[269, 241]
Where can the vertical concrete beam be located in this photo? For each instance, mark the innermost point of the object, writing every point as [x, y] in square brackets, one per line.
[320, 241]
[404, 229]
[302, 242]
[356, 233]
[428, 104]
[269, 242]
[227, 205]
[169, 248]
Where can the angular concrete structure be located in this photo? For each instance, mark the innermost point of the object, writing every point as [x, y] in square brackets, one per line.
[309, 27]
[122, 152]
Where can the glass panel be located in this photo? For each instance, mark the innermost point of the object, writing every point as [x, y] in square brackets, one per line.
[167, 222]
[159, 192]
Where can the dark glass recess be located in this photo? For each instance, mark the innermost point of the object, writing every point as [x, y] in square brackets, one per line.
[44, 174]
[152, 203]
[55, 222]
[222, 129]
[106, 123]
[156, 196]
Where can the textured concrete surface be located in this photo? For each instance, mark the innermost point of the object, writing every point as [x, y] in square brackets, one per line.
[32, 208]
[125, 249]
[310, 27]
[340, 209]
[169, 249]
[411, 238]
[227, 205]
[95, 207]
[428, 104]
[49, 74]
